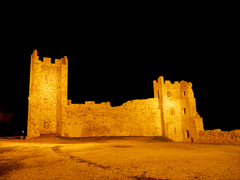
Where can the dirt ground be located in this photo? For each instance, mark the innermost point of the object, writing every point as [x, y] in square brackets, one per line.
[52, 157]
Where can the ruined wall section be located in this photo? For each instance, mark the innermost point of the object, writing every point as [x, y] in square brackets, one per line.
[220, 137]
[47, 93]
[133, 118]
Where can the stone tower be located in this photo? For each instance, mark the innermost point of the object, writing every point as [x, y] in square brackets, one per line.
[47, 95]
[178, 112]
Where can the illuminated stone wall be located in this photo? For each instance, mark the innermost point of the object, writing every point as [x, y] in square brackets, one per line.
[171, 113]
[177, 104]
[220, 137]
[47, 94]
[133, 118]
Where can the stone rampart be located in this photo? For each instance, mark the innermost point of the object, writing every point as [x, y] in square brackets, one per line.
[133, 118]
[219, 137]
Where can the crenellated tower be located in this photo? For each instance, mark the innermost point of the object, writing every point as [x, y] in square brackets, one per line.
[178, 112]
[47, 95]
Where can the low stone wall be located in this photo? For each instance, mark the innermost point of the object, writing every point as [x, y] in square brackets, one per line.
[220, 137]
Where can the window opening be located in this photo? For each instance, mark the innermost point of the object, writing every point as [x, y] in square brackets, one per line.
[184, 93]
[188, 134]
[168, 94]
[184, 111]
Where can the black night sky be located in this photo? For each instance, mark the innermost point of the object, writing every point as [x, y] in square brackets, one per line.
[117, 58]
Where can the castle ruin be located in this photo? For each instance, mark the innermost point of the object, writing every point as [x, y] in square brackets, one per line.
[171, 113]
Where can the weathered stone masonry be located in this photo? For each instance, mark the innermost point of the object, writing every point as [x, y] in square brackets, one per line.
[134, 118]
[220, 137]
[47, 95]
[171, 113]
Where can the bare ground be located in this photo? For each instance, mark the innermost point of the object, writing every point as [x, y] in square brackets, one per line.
[51, 157]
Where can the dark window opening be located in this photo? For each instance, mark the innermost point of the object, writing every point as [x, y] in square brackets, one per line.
[168, 94]
[184, 111]
[188, 134]
[184, 93]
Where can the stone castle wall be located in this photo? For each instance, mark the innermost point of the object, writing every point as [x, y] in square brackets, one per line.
[133, 118]
[220, 137]
[171, 113]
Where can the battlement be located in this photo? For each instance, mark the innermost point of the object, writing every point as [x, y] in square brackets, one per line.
[169, 84]
[47, 60]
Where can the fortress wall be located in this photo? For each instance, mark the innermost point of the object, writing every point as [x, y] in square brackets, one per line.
[171, 113]
[220, 137]
[133, 118]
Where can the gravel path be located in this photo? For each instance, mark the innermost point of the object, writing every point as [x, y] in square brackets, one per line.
[122, 158]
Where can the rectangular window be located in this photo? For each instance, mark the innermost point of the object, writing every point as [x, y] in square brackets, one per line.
[184, 111]
[188, 134]
[184, 93]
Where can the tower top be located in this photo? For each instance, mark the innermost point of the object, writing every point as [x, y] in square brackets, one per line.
[35, 55]
[35, 52]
